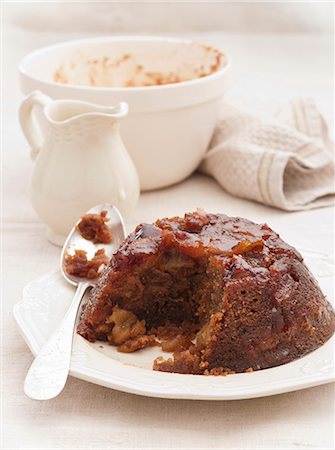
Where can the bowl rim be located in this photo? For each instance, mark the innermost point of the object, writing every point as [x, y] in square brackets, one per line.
[23, 69]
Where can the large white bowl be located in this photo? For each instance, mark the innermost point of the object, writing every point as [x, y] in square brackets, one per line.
[169, 126]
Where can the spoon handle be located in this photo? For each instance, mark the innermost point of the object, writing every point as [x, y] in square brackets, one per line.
[49, 371]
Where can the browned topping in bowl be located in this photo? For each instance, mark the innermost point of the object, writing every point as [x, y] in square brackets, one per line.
[126, 71]
[79, 266]
[93, 228]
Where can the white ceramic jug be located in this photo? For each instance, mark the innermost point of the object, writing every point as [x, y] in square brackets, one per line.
[80, 160]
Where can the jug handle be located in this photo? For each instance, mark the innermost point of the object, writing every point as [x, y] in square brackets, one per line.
[28, 123]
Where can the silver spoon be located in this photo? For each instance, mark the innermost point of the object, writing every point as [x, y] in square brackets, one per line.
[49, 371]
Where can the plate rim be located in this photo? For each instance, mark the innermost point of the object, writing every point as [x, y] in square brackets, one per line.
[82, 371]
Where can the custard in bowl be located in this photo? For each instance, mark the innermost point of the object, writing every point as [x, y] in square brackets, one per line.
[172, 86]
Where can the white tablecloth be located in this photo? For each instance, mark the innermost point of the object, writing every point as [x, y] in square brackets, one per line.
[267, 68]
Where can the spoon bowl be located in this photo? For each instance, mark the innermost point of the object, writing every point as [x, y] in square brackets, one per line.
[75, 241]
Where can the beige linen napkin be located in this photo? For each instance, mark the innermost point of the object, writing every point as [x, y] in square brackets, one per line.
[286, 161]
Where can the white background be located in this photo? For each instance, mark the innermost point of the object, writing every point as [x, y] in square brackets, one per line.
[190, 16]
[279, 51]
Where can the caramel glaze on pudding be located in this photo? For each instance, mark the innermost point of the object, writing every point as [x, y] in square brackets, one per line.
[222, 293]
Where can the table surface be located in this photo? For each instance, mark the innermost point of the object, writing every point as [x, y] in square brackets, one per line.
[268, 69]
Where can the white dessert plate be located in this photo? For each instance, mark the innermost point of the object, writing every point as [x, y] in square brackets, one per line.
[46, 299]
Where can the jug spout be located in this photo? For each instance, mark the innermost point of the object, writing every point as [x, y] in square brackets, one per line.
[62, 112]
[118, 111]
